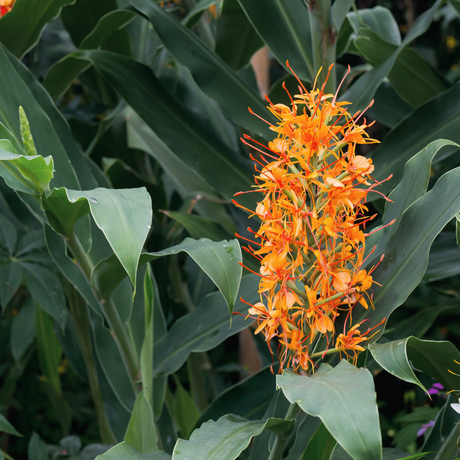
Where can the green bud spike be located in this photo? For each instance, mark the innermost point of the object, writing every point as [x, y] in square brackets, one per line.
[26, 135]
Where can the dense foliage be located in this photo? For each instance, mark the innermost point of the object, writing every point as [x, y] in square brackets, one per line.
[129, 161]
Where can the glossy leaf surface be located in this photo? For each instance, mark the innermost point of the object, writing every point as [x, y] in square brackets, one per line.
[345, 400]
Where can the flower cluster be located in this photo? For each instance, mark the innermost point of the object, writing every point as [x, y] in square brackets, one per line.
[5, 6]
[311, 243]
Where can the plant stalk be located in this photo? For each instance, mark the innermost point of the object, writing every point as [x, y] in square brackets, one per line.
[323, 36]
[79, 311]
[280, 442]
[109, 309]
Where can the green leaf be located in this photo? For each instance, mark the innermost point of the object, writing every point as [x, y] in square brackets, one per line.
[194, 15]
[49, 350]
[8, 235]
[199, 227]
[201, 331]
[431, 357]
[361, 93]
[37, 448]
[380, 20]
[6, 427]
[60, 75]
[320, 446]
[406, 255]
[124, 207]
[174, 124]
[305, 432]
[124, 451]
[57, 250]
[29, 242]
[186, 180]
[388, 454]
[21, 28]
[22, 331]
[184, 410]
[413, 185]
[284, 25]
[28, 174]
[50, 131]
[201, 61]
[344, 399]
[411, 76]
[46, 290]
[141, 433]
[248, 398]
[219, 260]
[236, 39]
[339, 13]
[224, 439]
[444, 258]
[388, 109]
[11, 278]
[112, 364]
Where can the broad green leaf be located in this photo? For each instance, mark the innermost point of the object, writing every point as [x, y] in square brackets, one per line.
[112, 363]
[226, 438]
[406, 255]
[28, 174]
[8, 234]
[61, 73]
[46, 290]
[199, 227]
[201, 61]
[388, 454]
[6, 426]
[413, 185]
[219, 260]
[141, 433]
[305, 432]
[21, 28]
[174, 124]
[236, 39]
[339, 13]
[388, 109]
[441, 441]
[22, 331]
[50, 130]
[11, 278]
[411, 76]
[187, 181]
[320, 446]
[284, 25]
[29, 242]
[194, 15]
[380, 20]
[37, 448]
[124, 451]
[57, 251]
[49, 350]
[248, 398]
[124, 216]
[444, 258]
[362, 92]
[431, 357]
[184, 410]
[344, 399]
[201, 331]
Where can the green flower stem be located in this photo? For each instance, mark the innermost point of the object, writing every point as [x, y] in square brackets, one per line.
[323, 37]
[110, 311]
[320, 354]
[280, 442]
[79, 311]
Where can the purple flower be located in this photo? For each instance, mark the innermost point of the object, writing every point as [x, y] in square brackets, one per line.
[425, 427]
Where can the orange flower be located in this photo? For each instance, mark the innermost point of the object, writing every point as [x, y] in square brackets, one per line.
[6, 6]
[311, 246]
